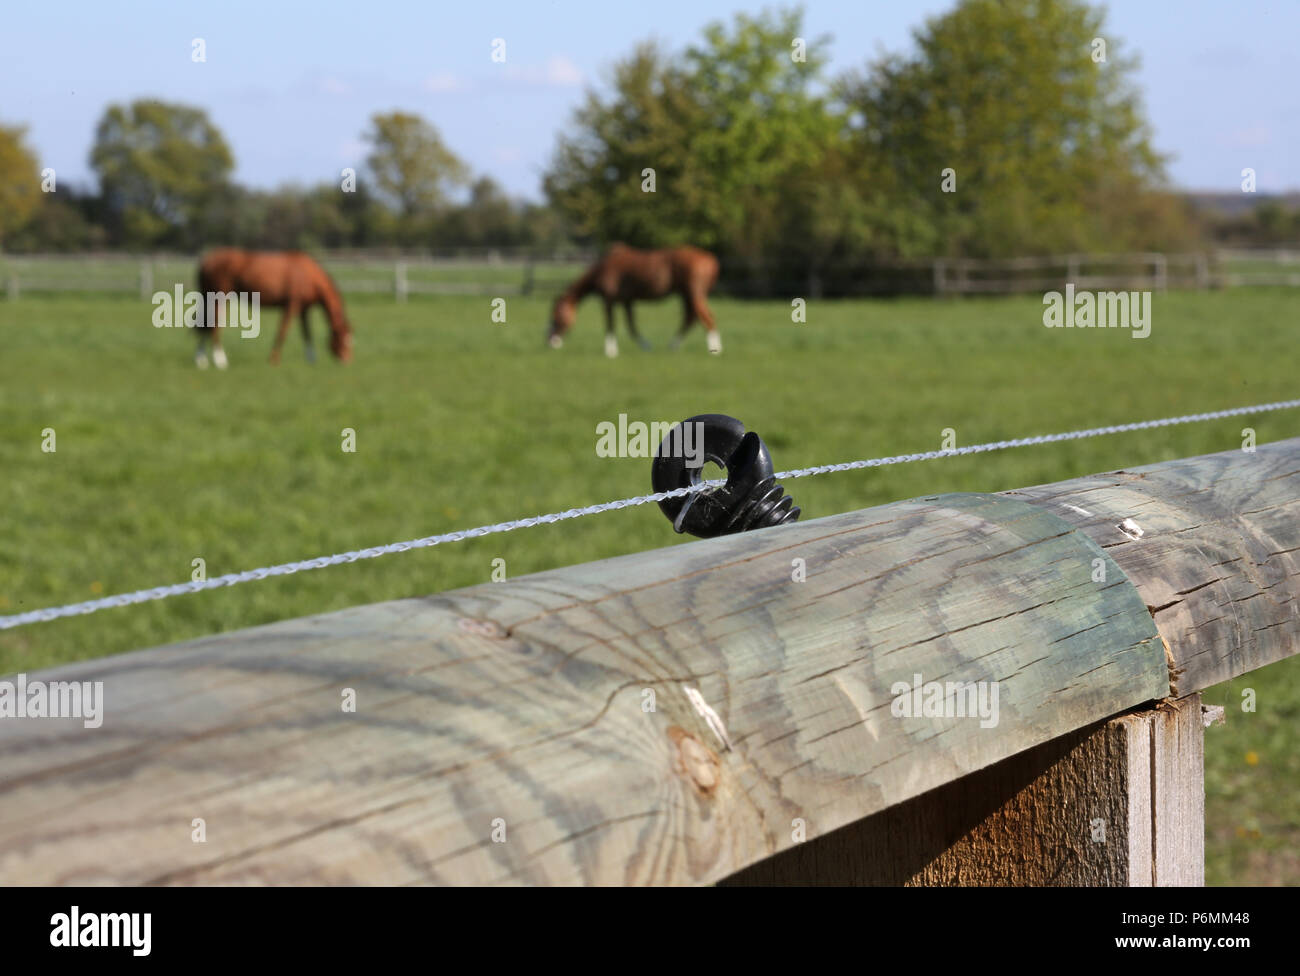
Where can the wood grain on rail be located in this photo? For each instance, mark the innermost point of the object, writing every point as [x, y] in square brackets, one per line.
[665, 717]
[1213, 545]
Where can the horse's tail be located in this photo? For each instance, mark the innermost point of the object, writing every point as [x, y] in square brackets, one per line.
[713, 270]
[699, 268]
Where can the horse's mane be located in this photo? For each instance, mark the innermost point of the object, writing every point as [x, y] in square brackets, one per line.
[585, 283]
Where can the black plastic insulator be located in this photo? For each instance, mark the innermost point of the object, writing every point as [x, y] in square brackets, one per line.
[751, 498]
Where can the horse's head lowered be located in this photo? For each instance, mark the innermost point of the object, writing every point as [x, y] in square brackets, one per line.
[341, 342]
[562, 317]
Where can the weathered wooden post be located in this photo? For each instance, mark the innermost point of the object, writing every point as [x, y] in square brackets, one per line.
[1160, 272]
[1119, 803]
[400, 287]
[972, 688]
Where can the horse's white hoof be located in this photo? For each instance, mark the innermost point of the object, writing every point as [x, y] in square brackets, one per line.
[311, 354]
[219, 358]
[201, 360]
[555, 341]
[715, 343]
[611, 347]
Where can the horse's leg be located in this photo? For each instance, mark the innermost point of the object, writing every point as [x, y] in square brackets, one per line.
[289, 311]
[631, 327]
[201, 333]
[218, 354]
[688, 319]
[611, 342]
[306, 337]
[701, 310]
[200, 348]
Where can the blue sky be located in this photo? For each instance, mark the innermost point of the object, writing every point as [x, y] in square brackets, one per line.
[292, 89]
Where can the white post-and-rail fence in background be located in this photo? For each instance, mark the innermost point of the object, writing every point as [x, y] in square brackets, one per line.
[1223, 268]
[505, 272]
[957, 689]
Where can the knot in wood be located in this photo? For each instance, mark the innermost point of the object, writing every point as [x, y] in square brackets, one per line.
[696, 761]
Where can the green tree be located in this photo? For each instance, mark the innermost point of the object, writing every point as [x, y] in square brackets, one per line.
[596, 173]
[232, 215]
[20, 182]
[1047, 143]
[159, 166]
[736, 132]
[59, 223]
[488, 218]
[361, 212]
[1271, 222]
[412, 169]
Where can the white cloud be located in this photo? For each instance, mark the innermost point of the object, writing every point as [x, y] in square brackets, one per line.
[353, 151]
[1255, 137]
[558, 72]
[333, 86]
[444, 82]
[561, 71]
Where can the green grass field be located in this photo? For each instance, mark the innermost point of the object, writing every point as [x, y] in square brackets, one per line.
[460, 422]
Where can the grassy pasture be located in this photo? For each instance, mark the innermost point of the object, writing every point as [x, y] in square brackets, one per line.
[460, 422]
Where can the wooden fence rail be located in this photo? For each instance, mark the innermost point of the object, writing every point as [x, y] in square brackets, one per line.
[490, 273]
[400, 275]
[755, 708]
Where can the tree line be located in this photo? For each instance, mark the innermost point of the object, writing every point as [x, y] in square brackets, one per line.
[164, 183]
[1011, 127]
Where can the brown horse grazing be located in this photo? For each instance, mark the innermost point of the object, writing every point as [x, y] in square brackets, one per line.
[282, 279]
[625, 275]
